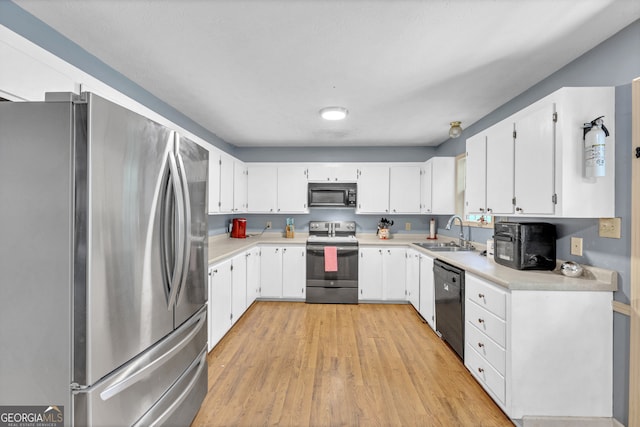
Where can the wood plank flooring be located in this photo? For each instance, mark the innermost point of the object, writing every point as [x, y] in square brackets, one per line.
[297, 364]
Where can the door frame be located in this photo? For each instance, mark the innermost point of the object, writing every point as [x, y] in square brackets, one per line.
[634, 335]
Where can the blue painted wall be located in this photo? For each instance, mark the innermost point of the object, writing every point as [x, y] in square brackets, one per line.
[613, 63]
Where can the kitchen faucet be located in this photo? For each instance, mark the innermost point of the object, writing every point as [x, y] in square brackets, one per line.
[462, 241]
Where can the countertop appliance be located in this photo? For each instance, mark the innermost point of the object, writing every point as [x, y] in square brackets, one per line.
[525, 245]
[239, 228]
[332, 195]
[104, 261]
[332, 262]
[449, 296]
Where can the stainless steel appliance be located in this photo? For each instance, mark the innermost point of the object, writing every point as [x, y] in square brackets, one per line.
[332, 262]
[333, 195]
[103, 256]
[449, 296]
[525, 245]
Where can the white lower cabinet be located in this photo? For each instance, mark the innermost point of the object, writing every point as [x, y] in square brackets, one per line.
[427, 291]
[540, 353]
[283, 272]
[228, 296]
[413, 278]
[219, 301]
[253, 274]
[382, 274]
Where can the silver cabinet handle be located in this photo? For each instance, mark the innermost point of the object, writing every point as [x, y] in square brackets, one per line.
[480, 370]
[480, 320]
[480, 296]
[480, 345]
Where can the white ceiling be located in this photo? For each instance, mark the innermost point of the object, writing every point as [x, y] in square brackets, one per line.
[256, 73]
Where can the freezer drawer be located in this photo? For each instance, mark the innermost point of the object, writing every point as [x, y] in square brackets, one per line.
[138, 389]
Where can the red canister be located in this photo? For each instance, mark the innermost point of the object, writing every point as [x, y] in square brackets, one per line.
[239, 228]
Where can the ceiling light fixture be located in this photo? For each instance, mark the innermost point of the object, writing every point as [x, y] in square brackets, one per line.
[455, 130]
[334, 113]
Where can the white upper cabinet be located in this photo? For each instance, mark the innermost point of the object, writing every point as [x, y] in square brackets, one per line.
[277, 189]
[534, 149]
[439, 186]
[292, 189]
[226, 183]
[214, 182]
[262, 194]
[534, 159]
[239, 186]
[475, 193]
[373, 189]
[332, 173]
[500, 178]
[404, 189]
[489, 171]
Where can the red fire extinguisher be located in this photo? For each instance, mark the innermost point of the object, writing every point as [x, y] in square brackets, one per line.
[594, 134]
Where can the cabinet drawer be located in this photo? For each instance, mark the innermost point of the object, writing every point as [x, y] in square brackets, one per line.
[486, 375]
[486, 295]
[486, 322]
[486, 347]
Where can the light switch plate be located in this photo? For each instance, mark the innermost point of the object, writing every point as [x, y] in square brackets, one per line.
[576, 246]
[609, 227]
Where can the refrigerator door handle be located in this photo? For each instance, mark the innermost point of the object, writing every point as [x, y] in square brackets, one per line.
[139, 370]
[178, 230]
[187, 225]
[160, 419]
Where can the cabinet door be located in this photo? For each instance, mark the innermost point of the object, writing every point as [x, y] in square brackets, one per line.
[426, 189]
[294, 271]
[404, 189]
[534, 162]
[413, 278]
[373, 189]
[262, 186]
[500, 162]
[443, 185]
[292, 189]
[319, 173]
[427, 291]
[475, 175]
[219, 301]
[238, 286]
[345, 173]
[271, 272]
[239, 187]
[214, 182]
[226, 183]
[253, 275]
[394, 273]
[370, 274]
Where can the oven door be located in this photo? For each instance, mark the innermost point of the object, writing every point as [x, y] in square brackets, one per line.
[345, 277]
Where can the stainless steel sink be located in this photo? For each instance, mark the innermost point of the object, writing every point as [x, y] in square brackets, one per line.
[444, 247]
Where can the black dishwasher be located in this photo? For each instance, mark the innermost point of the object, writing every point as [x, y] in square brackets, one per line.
[449, 296]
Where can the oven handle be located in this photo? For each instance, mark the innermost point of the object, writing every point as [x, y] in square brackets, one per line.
[320, 249]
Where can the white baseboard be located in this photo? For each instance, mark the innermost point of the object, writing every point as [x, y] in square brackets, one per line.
[569, 422]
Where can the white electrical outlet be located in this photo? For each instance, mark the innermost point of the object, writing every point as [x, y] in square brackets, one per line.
[609, 227]
[576, 246]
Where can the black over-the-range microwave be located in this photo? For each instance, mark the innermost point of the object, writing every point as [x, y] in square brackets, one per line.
[333, 194]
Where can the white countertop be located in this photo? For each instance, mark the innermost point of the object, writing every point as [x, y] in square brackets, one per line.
[593, 279]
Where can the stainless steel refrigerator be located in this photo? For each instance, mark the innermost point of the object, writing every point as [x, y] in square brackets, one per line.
[103, 258]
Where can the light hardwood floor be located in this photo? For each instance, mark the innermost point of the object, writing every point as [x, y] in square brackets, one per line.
[297, 364]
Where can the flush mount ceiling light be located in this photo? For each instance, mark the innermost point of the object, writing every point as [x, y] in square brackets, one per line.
[455, 130]
[334, 113]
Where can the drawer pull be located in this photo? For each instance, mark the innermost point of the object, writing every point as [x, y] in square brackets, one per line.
[481, 296]
[480, 370]
[480, 320]
[480, 345]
